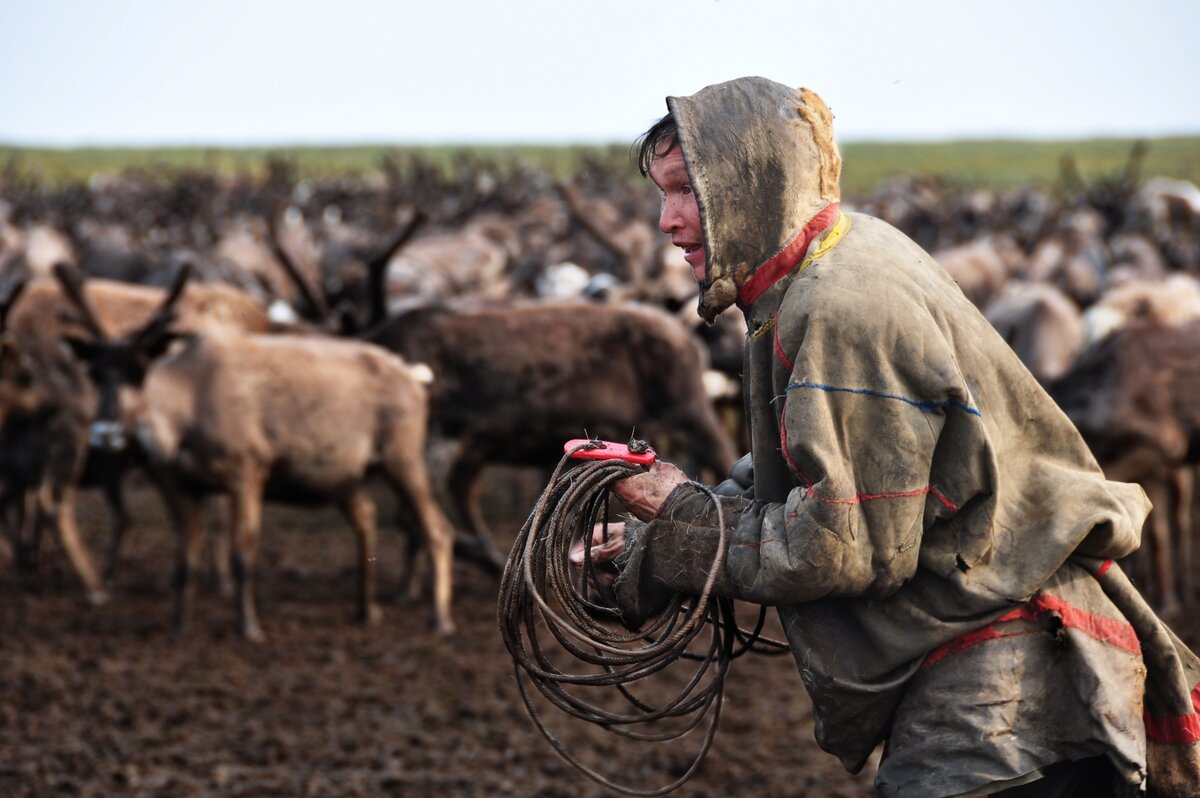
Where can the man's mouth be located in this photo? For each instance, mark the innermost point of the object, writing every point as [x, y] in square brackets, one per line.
[694, 255]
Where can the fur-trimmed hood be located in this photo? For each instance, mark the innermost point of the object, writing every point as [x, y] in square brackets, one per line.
[763, 164]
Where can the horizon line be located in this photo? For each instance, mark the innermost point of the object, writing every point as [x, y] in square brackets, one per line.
[18, 144]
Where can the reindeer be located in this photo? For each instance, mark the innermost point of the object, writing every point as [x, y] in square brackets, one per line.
[46, 313]
[350, 291]
[1042, 325]
[981, 267]
[278, 416]
[512, 384]
[45, 409]
[1133, 396]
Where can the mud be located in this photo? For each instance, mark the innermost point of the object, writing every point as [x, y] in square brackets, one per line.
[105, 702]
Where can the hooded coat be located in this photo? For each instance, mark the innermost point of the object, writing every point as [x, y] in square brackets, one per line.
[935, 534]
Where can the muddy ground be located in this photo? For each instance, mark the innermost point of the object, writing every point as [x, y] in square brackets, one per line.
[104, 702]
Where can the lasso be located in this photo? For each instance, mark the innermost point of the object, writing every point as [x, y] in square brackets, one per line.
[537, 595]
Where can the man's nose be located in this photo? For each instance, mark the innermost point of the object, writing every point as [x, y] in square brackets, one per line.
[668, 217]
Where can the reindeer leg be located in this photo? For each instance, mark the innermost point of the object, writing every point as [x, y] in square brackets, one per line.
[120, 515]
[28, 532]
[439, 539]
[1184, 485]
[221, 535]
[6, 534]
[413, 569]
[705, 440]
[464, 486]
[406, 469]
[62, 514]
[360, 511]
[187, 511]
[246, 517]
[1162, 573]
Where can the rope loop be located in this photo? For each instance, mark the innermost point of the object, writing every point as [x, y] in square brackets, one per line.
[538, 596]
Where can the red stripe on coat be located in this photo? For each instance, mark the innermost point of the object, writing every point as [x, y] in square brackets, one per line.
[786, 259]
[788, 455]
[965, 641]
[787, 361]
[1118, 634]
[858, 498]
[1180, 730]
[1177, 730]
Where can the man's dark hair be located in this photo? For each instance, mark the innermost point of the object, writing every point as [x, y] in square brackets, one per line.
[662, 136]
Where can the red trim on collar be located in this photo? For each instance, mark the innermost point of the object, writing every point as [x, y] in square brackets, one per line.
[770, 272]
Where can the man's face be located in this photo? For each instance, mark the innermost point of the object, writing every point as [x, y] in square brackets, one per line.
[680, 214]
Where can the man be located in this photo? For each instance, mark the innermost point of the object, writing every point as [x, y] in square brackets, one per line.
[936, 536]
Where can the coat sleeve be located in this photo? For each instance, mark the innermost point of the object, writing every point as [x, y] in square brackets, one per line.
[865, 402]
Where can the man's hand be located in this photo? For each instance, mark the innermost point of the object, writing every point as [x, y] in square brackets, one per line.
[643, 494]
[603, 552]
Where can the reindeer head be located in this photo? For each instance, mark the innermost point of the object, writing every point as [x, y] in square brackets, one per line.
[354, 277]
[117, 366]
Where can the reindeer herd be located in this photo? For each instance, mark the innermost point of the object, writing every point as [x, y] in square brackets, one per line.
[267, 338]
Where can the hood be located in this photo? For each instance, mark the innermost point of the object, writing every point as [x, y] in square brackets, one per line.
[763, 164]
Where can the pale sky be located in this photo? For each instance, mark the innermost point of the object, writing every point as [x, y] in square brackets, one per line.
[270, 72]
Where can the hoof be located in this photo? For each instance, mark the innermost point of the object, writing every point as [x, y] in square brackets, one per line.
[254, 634]
[370, 616]
[445, 627]
[97, 598]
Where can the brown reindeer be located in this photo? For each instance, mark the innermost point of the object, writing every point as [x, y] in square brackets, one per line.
[46, 313]
[299, 418]
[1042, 325]
[46, 406]
[512, 384]
[981, 267]
[1135, 397]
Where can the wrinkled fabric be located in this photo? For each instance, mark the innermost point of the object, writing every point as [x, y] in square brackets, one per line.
[775, 140]
[911, 484]
[1082, 656]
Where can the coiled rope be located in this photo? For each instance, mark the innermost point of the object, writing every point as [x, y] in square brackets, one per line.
[537, 595]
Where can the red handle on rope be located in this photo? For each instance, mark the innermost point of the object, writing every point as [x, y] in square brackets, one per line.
[608, 450]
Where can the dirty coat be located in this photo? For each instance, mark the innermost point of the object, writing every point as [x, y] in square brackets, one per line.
[935, 534]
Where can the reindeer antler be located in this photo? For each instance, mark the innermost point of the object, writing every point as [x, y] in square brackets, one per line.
[72, 285]
[377, 266]
[603, 237]
[162, 318]
[314, 299]
[389, 247]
